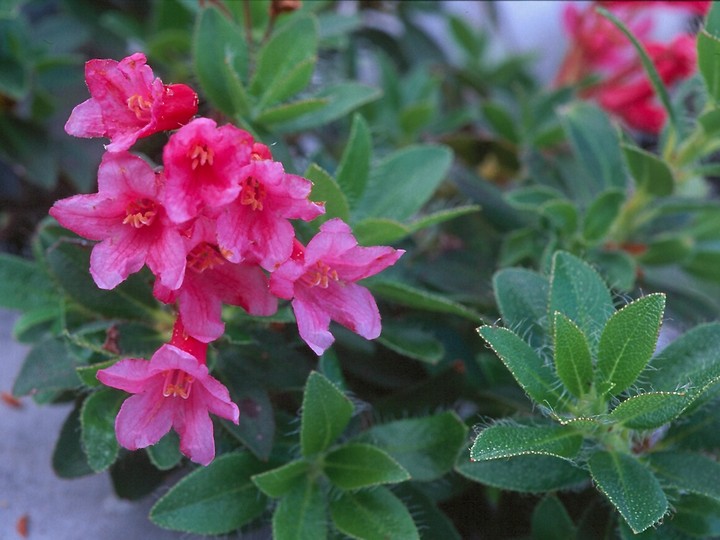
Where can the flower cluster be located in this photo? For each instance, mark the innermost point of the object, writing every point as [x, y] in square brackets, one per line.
[213, 226]
[597, 47]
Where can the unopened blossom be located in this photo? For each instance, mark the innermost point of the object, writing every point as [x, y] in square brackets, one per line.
[321, 281]
[172, 390]
[130, 222]
[202, 164]
[128, 102]
[211, 280]
[255, 226]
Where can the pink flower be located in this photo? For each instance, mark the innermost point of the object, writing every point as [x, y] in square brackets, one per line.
[130, 222]
[696, 7]
[320, 280]
[255, 226]
[210, 280]
[202, 165]
[127, 103]
[173, 390]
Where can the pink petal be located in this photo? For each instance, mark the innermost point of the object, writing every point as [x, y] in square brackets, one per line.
[130, 374]
[169, 357]
[243, 285]
[115, 258]
[200, 309]
[167, 257]
[123, 174]
[313, 323]
[91, 216]
[86, 120]
[361, 262]
[195, 428]
[282, 280]
[353, 306]
[144, 418]
[217, 399]
[334, 239]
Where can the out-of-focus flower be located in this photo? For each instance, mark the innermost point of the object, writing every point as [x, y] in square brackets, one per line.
[320, 280]
[129, 220]
[127, 102]
[697, 7]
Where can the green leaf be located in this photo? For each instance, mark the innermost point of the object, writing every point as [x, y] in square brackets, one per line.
[442, 216]
[256, 427]
[527, 474]
[68, 459]
[289, 111]
[630, 487]
[416, 298]
[215, 499]
[501, 121]
[647, 63]
[165, 454]
[550, 520]
[562, 215]
[431, 521]
[341, 99]
[220, 59]
[26, 145]
[532, 197]
[667, 249]
[358, 465]
[373, 515]
[522, 297]
[505, 441]
[628, 341]
[88, 374]
[277, 482]
[530, 371]
[35, 323]
[573, 362]
[650, 410]
[326, 190]
[601, 214]
[286, 62]
[97, 419]
[300, 515]
[404, 181]
[378, 231]
[708, 49]
[688, 472]
[578, 292]
[409, 340]
[325, 413]
[24, 285]
[354, 168]
[596, 145]
[426, 447]
[651, 173]
[49, 366]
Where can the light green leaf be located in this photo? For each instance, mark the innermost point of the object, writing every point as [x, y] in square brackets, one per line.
[688, 472]
[529, 370]
[409, 340]
[708, 48]
[426, 447]
[215, 499]
[522, 297]
[628, 341]
[277, 482]
[578, 292]
[650, 410]
[325, 413]
[505, 441]
[527, 474]
[573, 362]
[358, 465]
[373, 515]
[630, 487]
[97, 418]
[326, 190]
[220, 58]
[651, 173]
[354, 168]
[601, 214]
[403, 182]
[300, 515]
[379, 231]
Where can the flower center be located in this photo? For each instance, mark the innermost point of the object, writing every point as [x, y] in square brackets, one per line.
[140, 106]
[252, 194]
[177, 384]
[204, 256]
[320, 275]
[201, 154]
[140, 213]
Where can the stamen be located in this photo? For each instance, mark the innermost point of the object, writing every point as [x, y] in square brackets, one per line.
[204, 256]
[140, 106]
[253, 193]
[140, 213]
[200, 155]
[177, 384]
[320, 276]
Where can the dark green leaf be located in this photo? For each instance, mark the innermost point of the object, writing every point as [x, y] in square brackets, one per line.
[24, 285]
[573, 362]
[501, 121]
[667, 249]
[628, 341]
[373, 515]
[68, 459]
[409, 340]
[286, 112]
[505, 441]
[562, 215]
[550, 520]
[325, 413]
[165, 454]
[256, 428]
[601, 214]
[354, 168]
[326, 190]
[532, 197]
[650, 410]
[530, 371]
[97, 419]
[522, 297]
[378, 231]
[301, 514]
[277, 482]
[708, 48]
[49, 366]
[651, 173]
[432, 523]
[358, 465]
[630, 487]
[215, 499]
[694, 473]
